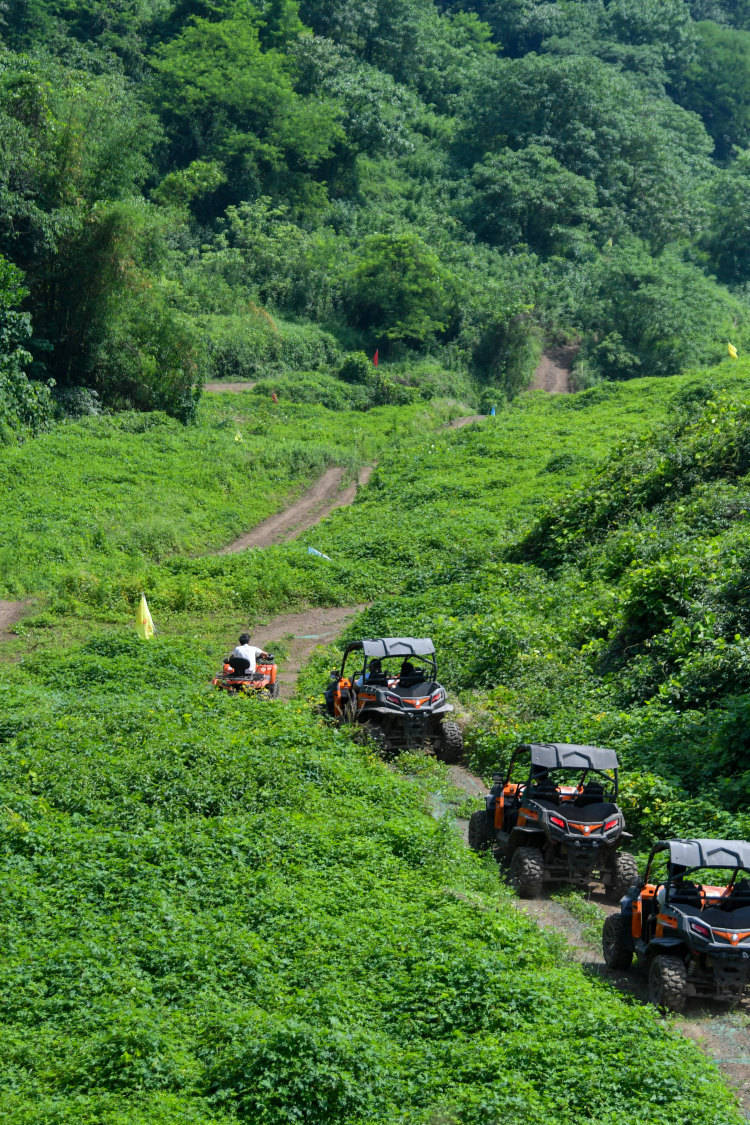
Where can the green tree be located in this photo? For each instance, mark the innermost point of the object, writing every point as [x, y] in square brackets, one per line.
[529, 198]
[655, 316]
[225, 99]
[644, 154]
[25, 406]
[717, 85]
[399, 291]
[727, 239]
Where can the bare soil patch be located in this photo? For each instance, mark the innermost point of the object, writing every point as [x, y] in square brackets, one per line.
[301, 632]
[553, 370]
[220, 387]
[10, 612]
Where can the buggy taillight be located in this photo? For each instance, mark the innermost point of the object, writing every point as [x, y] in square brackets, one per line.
[700, 928]
[557, 821]
[611, 823]
[394, 699]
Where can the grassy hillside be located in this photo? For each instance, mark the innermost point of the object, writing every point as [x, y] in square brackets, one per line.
[219, 913]
[214, 913]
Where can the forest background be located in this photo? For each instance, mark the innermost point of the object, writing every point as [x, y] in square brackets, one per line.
[200, 190]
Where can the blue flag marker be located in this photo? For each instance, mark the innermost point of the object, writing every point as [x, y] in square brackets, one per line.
[319, 554]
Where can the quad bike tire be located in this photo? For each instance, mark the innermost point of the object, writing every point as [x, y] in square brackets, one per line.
[617, 946]
[526, 872]
[667, 983]
[273, 690]
[480, 836]
[451, 745]
[624, 874]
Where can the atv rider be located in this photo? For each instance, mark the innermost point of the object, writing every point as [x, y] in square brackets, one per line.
[244, 656]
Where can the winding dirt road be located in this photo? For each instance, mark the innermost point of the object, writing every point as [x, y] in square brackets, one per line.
[220, 387]
[314, 505]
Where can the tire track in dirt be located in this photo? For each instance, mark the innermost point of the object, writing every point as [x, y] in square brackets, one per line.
[723, 1036]
[300, 633]
[314, 505]
[10, 613]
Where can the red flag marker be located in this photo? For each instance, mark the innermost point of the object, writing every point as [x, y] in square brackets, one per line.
[375, 358]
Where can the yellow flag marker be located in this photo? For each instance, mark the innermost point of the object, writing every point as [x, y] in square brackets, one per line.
[732, 350]
[143, 622]
[238, 436]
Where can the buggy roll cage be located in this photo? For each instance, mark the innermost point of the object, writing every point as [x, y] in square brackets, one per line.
[699, 854]
[397, 647]
[546, 756]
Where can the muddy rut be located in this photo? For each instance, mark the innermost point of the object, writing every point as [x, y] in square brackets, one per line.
[723, 1036]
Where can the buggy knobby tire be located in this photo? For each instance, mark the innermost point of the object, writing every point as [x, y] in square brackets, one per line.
[526, 873]
[451, 742]
[273, 690]
[624, 874]
[480, 836]
[617, 944]
[667, 983]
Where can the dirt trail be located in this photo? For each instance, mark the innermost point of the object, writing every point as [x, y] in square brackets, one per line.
[553, 370]
[319, 501]
[220, 387]
[301, 632]
[10, 612]
[723, 1036]
[314, 505]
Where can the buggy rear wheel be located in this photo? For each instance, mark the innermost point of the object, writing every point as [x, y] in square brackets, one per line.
[624, 874]
[273, 690]
[451, 741]
[667, 983]
[480, 836]
[617, 945]
[526, 873]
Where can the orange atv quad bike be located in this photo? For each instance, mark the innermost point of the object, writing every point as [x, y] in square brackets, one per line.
[554, 818]
[237, 679]
[388, 688]
[688, 922]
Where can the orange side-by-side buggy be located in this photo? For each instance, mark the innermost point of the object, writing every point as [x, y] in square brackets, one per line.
[687, 922]
[554, 818]
[388, 689]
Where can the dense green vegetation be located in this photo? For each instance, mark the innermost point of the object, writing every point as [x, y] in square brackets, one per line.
[215, 913]
[257, 188]
[224, 913]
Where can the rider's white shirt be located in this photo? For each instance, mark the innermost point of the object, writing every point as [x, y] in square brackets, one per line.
[248, 652]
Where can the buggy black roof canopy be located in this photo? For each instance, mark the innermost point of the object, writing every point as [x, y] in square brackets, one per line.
[709, 853]
[566, 755]
[397, 646]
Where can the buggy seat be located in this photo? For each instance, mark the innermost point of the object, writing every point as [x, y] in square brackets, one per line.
[591, 813]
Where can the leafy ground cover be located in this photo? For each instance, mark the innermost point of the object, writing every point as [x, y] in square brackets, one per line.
[214, 912]
[107, 494]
